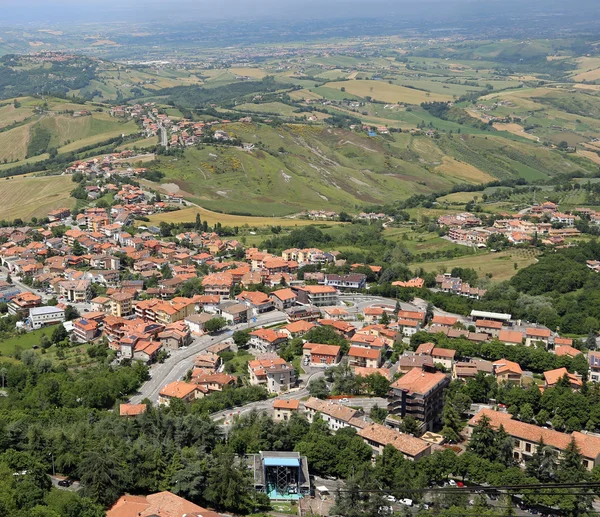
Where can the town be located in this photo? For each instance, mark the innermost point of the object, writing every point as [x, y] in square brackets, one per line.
[210, 316]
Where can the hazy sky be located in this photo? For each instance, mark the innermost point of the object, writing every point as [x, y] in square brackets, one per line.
[26, 11]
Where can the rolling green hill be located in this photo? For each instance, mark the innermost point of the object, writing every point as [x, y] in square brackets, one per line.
[296, 167]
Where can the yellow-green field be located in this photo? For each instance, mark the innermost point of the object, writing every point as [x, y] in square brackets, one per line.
[34, 197]
[500, 265]
[463, 171]
[126, 129]
[13, 143]
[255, 73]
[189, 215]
[276, 108]
[386, 92]
[10, 115]
[140, 144]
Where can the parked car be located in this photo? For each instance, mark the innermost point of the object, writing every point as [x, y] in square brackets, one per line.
[390, 498]
[65, 482]
[406, 502]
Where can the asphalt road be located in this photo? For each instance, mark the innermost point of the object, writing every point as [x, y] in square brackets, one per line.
[180, 361]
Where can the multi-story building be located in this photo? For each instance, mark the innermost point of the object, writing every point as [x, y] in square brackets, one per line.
[22, 303]
[352, 281]
[267, 340]
[526, 438]
[420, 394]
[336, 416]
[317, 354]
[42, 316]
[377, 436]
[75, 291]
[121, 304]
[284, 409]
[275, 374]
[317, 295]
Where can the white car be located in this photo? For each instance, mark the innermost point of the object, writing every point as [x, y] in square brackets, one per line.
[390, 498]
[452, 482]
[406, 502]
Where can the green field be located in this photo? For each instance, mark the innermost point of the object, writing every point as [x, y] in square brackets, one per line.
[24, 341]
[500, 265]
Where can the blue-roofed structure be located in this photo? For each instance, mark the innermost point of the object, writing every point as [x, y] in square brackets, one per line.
[281, 475]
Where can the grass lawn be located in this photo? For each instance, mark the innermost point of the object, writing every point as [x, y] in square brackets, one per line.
[240, 362]
[419, 242]
[500, 265]
[383, 91]
[25, 341]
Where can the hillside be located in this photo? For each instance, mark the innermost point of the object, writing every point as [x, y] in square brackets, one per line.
[296, 167]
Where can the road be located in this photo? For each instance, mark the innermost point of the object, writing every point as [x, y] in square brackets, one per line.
[175, 367]
[163, 137]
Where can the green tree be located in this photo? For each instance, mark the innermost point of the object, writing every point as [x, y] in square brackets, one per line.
[452, 424]
[318, 388]
[570, 466]
[102, 476]
[241, 338]
[215, 324]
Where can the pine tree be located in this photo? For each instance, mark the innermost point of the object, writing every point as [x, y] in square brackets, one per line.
[570, 466]
[451, 429]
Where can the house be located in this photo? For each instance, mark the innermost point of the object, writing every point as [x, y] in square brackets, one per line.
[132, 409]
[164, 504]
[235, 313]
[259, 302]
[145, 350]
[408, 327]
[208, 381]
[266, 340]
[283, 299]
[317, 354]
[443, 321]
[594, 362]
[75, 291]
[377, 436]
[84, 330]
[297, 328]
[444, 357]
[489, 327]
[121, 304]
[508, 372]
[364, 357]
[526, 438]
[317, 295]
[419, 394]
[412, 315]
[208, 361]
[372, 314]
[408, 362]
[552, 378]
[42, 316]
[23, 302]
[465, 370]
[352, 281]
[196, 322]
[511, 337]
[336, 416]
[284, 409]
[537, 335]
[177, 390]
[275, 374]
[304, 313]
[566, 350]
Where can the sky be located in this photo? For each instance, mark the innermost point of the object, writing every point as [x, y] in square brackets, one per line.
[35, 11]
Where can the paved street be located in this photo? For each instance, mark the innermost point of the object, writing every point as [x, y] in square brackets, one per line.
[179, 362]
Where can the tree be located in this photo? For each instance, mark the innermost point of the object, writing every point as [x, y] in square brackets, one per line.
[410, 425]
[318, 388]
[385, 319]
[102, 476]
[71, 313]
[198, 223]
[9, 278]
[215, 324]
[241, 338]
[526, 413]
[570, 467]
[378, 414]
[59, 334]
[483, 440]
[542, 464]
[429, 312]
[78, 250]
[452, 424]
[590, 342]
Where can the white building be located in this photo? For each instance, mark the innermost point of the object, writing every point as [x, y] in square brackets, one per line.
[41, 316]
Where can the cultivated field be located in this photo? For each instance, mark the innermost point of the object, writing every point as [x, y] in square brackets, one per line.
[34, 197]
[13, 143]
[188, 215]
[10, 115]
[500, 265]
[463, 171]
[386, 92]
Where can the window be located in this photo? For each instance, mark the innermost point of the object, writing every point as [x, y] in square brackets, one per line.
[528, 447]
